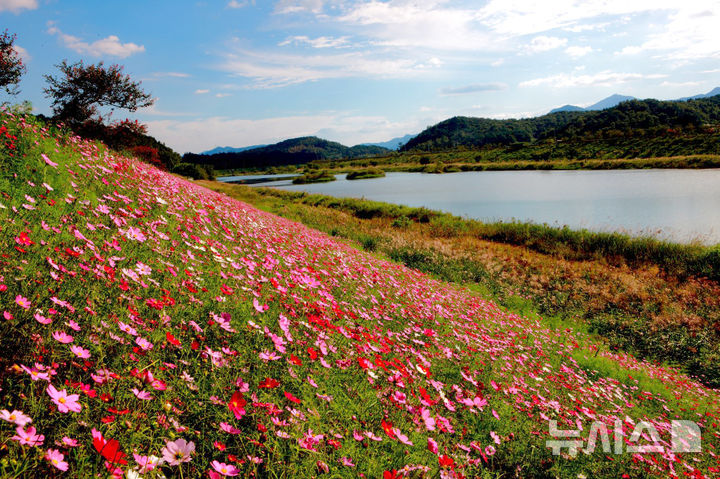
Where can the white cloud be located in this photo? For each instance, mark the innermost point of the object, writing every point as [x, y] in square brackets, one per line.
[110, 46]
[296, 6]
[201, 91]
[577, 52]
[22, 53]
[205, 133]
[320, 42]
[16, 5]
[269, 70]
[421, 25]
[543, 44]
[171, 74]
[680, 84]
[474, 88]
[604, 78]
[237, 4]
[222, 95]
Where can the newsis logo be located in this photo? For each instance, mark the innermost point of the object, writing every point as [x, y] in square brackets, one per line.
[685, 437]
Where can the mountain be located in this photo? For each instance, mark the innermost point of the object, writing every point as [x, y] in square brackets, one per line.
[608, 102]
[393, 144]
[642, 117]
[229, 149]
[567, 108]
[715, 91]
[294, 151]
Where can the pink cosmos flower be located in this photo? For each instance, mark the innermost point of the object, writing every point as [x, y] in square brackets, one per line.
[310, 440]
[229, 428]
[16, 417]
[346, 461]
[55, 457]
[225, 469]
[402, 437]
[29, 437]
[62, 337]
[48, 160]
[490, 450]
[432, 445]
[260, 308]
[135, 234]
[80, 352]
[64, 401]
[146, 463]
[42, 319]
[144, 395]
[69, 442]
[22, 302]
[268, 356]
[143, 343]
[178, 451]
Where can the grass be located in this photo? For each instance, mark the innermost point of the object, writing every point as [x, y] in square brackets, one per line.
[365, 174]
[321, 176]
[652, 298]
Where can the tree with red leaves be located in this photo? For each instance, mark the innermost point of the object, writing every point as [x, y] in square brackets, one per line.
[82, 89]
[11, 65]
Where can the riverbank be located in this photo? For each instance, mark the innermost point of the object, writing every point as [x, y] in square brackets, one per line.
[656, 299]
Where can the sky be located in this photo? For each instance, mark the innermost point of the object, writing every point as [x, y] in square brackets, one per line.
[247, 72]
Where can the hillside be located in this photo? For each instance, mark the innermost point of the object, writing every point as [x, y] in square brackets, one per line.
[636, 117]
[154, 327]
[295, 151]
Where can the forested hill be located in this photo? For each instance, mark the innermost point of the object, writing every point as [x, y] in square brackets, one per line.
[644, 117]
[289, 152]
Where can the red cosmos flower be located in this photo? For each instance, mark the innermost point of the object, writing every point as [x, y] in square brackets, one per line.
[171, 339]
[109, 449]
[23, 239]
[388, 428]
[446, 461]
[269, 383]
[391, 474]
[313, 354]
[295, 360]
[237, 404]
[292, 398]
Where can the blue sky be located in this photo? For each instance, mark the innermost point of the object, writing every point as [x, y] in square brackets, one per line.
[238, 73]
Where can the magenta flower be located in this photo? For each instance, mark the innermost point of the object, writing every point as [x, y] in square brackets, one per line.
[178, 451]
[62, 337]
[55, 457]
[80, 352]
[144, 395]
[225, 469]
[48, 160]
[64, 401]
[22, 302]
[29, 437]
[147, 463]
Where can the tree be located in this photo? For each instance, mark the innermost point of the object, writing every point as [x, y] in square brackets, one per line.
[11, 65]
[82, 89]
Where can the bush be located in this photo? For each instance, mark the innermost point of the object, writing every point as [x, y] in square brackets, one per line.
[196, 172]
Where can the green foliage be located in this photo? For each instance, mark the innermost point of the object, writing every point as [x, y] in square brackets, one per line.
[296, 151]
[365, 174]
[630, 119]
[196, 172]
[11, 65]
[80, 90]
[314, 176]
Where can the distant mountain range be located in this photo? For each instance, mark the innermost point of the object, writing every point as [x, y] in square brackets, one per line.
[295, 151]
[651, 118]
[614, 100]
[393, 144]
[229, 149]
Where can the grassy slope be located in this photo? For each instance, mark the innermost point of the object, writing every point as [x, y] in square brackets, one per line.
[340, 360]
[643, 295]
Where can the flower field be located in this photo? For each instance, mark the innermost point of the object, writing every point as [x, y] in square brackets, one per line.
[153, 328]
